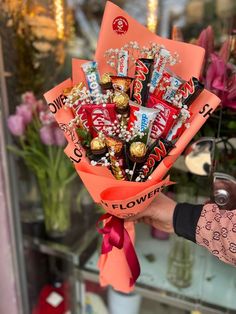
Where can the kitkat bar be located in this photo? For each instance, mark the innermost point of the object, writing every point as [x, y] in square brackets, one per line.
[100, 117]
[79, 111]
[142, 78]
[165, 117]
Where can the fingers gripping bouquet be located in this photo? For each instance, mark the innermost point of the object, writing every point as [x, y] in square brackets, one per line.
[127, 117]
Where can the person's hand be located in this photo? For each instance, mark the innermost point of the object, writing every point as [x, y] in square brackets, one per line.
[158, 214]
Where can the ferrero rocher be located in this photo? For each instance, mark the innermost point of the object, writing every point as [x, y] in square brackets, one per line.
[137, 151]
[121, 100]
[106, 78]
[98, 146]
[105, 82]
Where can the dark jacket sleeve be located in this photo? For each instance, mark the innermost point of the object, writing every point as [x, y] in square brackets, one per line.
[185, 220]
[208, 226]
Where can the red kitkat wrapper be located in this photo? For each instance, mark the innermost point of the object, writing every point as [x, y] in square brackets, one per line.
[100, 117]
[79, 110]
[165, 118]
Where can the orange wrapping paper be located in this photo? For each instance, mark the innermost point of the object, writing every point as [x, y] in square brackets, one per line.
[122, 198]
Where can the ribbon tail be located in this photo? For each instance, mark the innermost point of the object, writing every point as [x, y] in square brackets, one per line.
[106, 246]
[131, 257]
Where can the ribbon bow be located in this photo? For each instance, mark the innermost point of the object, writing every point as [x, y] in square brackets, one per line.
[115, 234]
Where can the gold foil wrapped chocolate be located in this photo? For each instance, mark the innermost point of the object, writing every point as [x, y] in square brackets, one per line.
[121, 83]
[106, 78]
[74, 92]
[105, 82]
[121, 100]
[115, 149]
[67, 91]
[114, 145]
[118, 167]
[98, 146]
[137, 151]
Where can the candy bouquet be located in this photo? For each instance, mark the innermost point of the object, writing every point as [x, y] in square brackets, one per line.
[127, 117]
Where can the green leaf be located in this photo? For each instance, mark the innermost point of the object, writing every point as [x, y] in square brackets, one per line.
[85, 137]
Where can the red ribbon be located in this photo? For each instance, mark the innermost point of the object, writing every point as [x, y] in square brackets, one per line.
[115, 234]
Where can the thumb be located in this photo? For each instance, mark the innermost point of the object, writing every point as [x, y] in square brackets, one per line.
[135, 217]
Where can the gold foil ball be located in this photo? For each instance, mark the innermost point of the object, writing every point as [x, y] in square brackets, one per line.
[138, 149]
[121, 100]
[106, 78]
[97, 144]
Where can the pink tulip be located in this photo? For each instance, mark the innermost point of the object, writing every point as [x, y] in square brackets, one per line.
[46, 135]
[41, 106]
[59, 137]
[46, 117]
[25, 111]
[52, 135]
[29, 98]
[16, 125]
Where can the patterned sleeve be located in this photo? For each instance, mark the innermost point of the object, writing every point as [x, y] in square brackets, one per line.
[216, 231]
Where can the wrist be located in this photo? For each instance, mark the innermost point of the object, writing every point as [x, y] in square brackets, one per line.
[185, 219]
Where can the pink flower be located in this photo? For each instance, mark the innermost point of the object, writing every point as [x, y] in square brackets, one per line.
[52, 135]
[232, 87]
[230, 97]
[225, 50]
[59, 137]
[206, 40]
[221, 80]
[46, 135]
[16, 125]
[216, 73]
[25, 111]
[29, 98]
[41, 106]
[46, 117]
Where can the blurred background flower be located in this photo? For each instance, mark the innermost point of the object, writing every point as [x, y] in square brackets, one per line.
[40, 143]
[219, 73]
